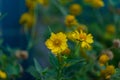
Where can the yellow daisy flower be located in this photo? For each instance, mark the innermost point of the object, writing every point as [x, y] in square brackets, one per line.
[86, 40]
[57, 43]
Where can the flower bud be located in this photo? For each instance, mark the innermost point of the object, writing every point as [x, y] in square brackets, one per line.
[116, 43]
[21, 54]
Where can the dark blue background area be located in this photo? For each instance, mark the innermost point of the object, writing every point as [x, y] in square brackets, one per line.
[11, 28]
[12, 31]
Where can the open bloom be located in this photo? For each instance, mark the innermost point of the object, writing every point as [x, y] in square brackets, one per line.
[85, 39]
[57, 43]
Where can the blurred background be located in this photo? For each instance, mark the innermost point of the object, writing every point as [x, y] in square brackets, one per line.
[52, 15]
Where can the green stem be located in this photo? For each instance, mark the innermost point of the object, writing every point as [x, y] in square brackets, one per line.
[77, 49]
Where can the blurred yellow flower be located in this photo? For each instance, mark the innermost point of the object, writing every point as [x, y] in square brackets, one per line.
[70, 21]
[110, 29]
[95, 3]
[75, 9]
[57, 43]
[110, 70]
[103, 59]
[27, 19]
[43, 2]
[3, 75]
[31, 4]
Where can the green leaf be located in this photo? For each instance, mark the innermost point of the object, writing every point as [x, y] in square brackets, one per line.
[33, 72]
[54, 61]
[37, 66]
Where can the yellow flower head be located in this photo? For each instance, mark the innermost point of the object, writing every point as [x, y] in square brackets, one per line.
[43, 2]
[27, 19]
[85, 39]
[103, 59]
[70, 20]
[3, 75]
[75, 9]
[110, 29]
[31, 4]
[57, 43]
[74, 36]
[110, 70]
[95, 3]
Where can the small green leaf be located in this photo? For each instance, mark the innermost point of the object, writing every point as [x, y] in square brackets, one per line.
[37, 66]
[54, 61]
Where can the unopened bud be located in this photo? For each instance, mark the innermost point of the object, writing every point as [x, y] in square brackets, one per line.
[21, 54]
[116, 43]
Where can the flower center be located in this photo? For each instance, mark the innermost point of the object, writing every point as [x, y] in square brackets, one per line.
[82, 37]
[57, 42]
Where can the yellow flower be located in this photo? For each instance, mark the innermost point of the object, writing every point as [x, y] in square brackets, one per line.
[3, 75]
[74, 36]
[43, 2]
[31, 4]
[86, 40]
[70, 20]
[57, 43]
[27, 19]
[103, 59]
[110, 29]
[75, 9]
[110, 70]
[95, 3]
